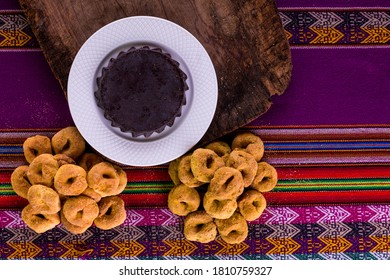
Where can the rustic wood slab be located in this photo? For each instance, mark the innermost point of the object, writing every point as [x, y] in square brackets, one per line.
[244, 38]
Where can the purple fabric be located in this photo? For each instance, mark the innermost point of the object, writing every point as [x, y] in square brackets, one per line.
[332, 3]
[29, 88]
[334, 86]
[9, 5]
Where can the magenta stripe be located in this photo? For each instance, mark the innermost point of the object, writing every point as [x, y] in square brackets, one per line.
[332, 3]
[279, 215]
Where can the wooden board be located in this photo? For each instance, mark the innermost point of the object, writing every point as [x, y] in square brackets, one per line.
[244, 38]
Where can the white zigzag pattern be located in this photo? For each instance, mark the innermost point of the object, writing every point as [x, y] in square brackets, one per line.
[325, 19]
[376, 20]
[12, 22]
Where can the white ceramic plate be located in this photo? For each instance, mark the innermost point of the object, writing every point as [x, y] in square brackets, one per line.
[197, 114]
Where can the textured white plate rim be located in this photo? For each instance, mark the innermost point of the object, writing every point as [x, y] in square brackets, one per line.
[87, 116]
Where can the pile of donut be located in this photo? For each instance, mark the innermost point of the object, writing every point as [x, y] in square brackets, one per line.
[65, 184]
[233, 179]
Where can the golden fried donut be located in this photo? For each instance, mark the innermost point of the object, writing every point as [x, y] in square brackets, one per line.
[226, 183]
[234, 229]
[68, 141]
[104, 179]
[222, 149]
[43, 200]
[70, 179]
[39, 222]
[19, 181]
[173, 171]
[183, 200]
[87, 160]
[71, 227]
[251, 204]
[245, 163]
[80, 211]
[92, 194]
[112, 212]
[250, 143]
[122, 180]
[42, 170]
[36, 145]
[199, 226]
[204, 163]
[63, 159]
[266, 177]
[219, 208]
[185, 173]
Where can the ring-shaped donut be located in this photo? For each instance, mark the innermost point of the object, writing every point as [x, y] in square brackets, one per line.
[92, 194]
[42, 170]
[204, 163]
[19, 181]
[68, 141]
[199, 226]
[63, 159]
[245, 163]
[251, 204]
[39, 223]
[43, 200]
[70, 180]
[122, 180]
[88, 160]
[219, 208]
[71, 227]
[173, 171]
[36, 145]
[185, 173]
[112, 212]
[221, 148]
[183, 200]
[250, 143]
[80, 211]
[233, 230]
[104, 179]
[266, 177]
[226, 183]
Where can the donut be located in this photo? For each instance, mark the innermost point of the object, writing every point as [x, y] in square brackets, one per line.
[250, 143]
[199, 226]
[232, 230]
[266, 177]
[42, 170]
[183, 200]
[219, 208]
[68, 141]
[185, 173]
[221, 148]
[173, 171]
[43, 200]
[87, 160]
[112, 212]
[251, 204]
[19, 181]
[70, 180]
[63, 159]
[39, 222]
[245, 163]
[92, 194]
[36, 145]
[122, 180]
[226, 183]
[71, 227]
[104, 179]
[80, 211]
[204, 163]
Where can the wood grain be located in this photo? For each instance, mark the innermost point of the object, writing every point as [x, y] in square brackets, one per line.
[244, 38]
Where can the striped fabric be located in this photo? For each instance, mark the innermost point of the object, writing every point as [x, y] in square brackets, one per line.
[328, 137]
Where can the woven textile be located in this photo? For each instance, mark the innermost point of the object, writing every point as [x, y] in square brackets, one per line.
[328, 137]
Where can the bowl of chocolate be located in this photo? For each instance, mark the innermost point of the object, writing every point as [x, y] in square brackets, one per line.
[142, 91]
